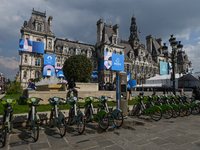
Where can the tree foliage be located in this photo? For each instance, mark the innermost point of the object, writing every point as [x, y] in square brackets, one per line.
[15, 88]
[78, 67]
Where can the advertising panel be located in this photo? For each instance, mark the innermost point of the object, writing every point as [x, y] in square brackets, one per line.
[31, 46]
[164, 68]
[94, 74]
[112, 62]
[190, 70]
[49, 59]
[117, 62]
[128, 79]
[48, 70]
[59, 72]
[107, 60]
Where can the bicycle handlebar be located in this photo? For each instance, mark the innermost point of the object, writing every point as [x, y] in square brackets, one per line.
[3, 99]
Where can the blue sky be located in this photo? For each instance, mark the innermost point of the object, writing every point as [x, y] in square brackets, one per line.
[77, 19]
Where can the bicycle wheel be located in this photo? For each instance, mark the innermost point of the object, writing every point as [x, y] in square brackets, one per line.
[4, 136]
[104, 122]
[183, 111]
[35, 131]
[189, 111]
[62, 127]
[156, 115]
[176, 112]
[195, 110]
[88, 116]
[51, 120]
[71, 116]
[81, 123]
[168, 113]
[118, 121]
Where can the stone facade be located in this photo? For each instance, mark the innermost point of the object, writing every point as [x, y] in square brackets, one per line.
[142, 61]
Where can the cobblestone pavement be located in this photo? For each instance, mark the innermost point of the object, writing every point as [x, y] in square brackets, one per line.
[136, 133]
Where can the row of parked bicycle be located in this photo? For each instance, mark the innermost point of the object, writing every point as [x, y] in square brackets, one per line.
[103, 116]
[165, 106]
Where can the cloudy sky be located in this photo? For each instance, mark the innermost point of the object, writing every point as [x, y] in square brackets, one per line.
[76, 19]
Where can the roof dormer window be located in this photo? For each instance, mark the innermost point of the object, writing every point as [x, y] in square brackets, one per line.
[39, 27]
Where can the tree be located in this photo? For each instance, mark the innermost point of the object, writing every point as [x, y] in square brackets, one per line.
[78, 67]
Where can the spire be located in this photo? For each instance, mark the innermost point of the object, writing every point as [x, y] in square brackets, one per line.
[133, 20]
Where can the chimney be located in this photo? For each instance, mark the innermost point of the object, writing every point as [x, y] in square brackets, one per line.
[115, 29]
[149, 40]
[159, 41]
[99, 31]
[50, 23]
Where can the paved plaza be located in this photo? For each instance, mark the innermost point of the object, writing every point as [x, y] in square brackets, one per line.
[136, 133]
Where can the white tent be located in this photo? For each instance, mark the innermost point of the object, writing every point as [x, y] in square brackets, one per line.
[160, 81]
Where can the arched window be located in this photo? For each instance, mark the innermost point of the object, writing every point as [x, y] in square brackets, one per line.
[39, 27]
[58, 49]
[39, 40]
[107, 49]
[25, 74]
[71, 51]
[120, 53]
[83, 52]
[25, 59]
[37, 74]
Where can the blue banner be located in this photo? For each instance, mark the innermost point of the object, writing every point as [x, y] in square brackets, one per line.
[117, 62]
[101, 65]
[94, 75]
[31, 46]
[59, 72]
[164, 70]
[128, 79]
[48, 70]
[49, 59]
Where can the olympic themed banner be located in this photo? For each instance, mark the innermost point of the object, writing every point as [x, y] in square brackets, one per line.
[49, 59]
[48, 70]
[31, 46]
[59, 72]
[164, 70]
[190, 70]
[111, 62]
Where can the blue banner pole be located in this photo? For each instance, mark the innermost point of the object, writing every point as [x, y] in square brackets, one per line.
[117, 90]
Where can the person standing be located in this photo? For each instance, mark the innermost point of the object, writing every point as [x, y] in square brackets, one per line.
[71, 87]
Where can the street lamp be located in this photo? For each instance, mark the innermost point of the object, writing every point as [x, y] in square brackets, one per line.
[175, 48]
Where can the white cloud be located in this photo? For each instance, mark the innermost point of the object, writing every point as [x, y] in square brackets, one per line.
[193, 54]
[9, 62]
[185, 34]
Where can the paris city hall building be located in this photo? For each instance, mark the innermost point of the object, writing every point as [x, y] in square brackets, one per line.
[142, 61]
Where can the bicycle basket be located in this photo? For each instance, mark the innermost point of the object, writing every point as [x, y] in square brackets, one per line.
[87, 99]
[102, 99]
[51, 102]
[71, 100]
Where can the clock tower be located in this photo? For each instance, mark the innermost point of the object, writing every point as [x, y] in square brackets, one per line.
[133, 39]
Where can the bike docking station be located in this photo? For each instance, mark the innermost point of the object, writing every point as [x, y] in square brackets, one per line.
[121, 92]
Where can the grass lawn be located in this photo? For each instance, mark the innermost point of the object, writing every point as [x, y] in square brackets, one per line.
[18, 109]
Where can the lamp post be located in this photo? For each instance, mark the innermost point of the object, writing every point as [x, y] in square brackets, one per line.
[175, 48]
